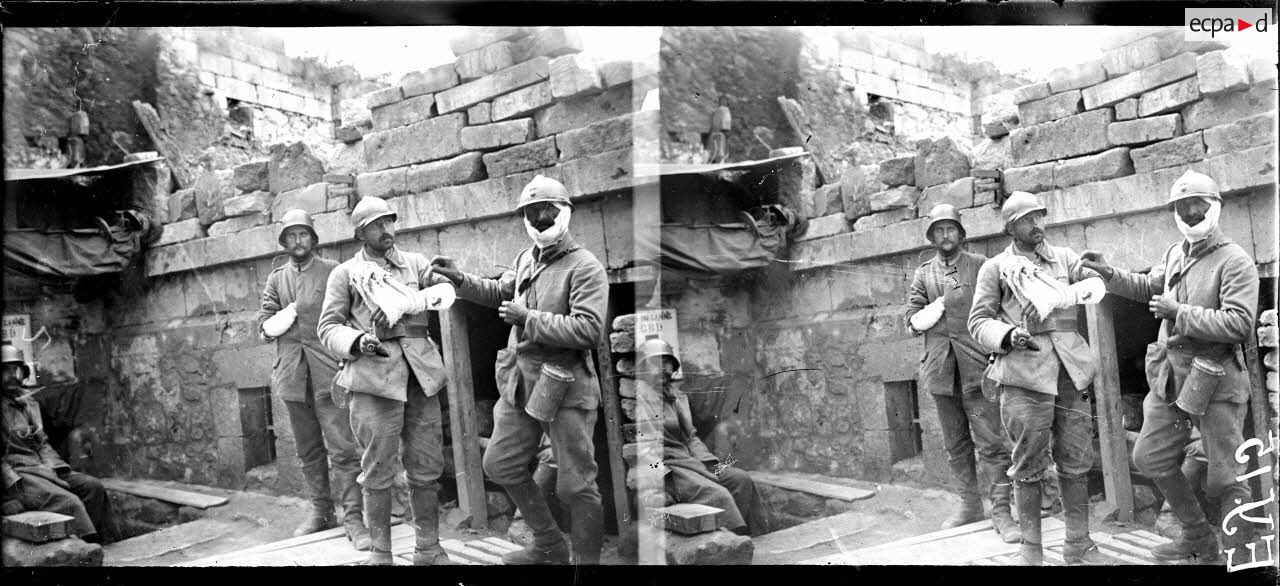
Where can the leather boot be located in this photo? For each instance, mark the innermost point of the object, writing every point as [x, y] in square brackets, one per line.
[548, 547]
[425, 504]
[1027, 495]
[316, 475]
[970, 512]
[320, 518]
[1079, 548]
[1001, 518]
[587, 519]
[353, 511]
[1197, 541]
[377, 508]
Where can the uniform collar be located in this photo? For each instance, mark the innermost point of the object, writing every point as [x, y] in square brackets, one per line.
[942, 263]
[393, 256]
[1041, 252]
[304, 266]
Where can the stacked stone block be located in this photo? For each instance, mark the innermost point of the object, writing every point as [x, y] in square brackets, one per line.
[254, 68]
[1100, 138]
[1267, 346]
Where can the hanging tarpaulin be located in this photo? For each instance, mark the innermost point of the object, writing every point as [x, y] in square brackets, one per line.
[75, 253]
[723, 249]
[69, 223]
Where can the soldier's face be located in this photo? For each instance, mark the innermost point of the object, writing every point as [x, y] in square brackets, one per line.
[11, 377]
[1029, 229]
[945, 237]
[541, 215]
[1191, 209]
[380, 235]
[298, 241]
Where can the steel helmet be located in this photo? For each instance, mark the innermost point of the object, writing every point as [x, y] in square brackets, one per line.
[296, 217]
[1020, 203]
[941, 213]
[10, 354]
[1193, 184]
[369, 209]
[653, 348]
[543, 188]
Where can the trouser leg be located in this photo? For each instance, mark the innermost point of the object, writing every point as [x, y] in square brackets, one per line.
[309, 441]
[1222, 433]
[93, 496]
[572, 442]
[506, 462]
[37, 493]
[960, 457]
[344, 454]
[1158, 454]
[747, 498]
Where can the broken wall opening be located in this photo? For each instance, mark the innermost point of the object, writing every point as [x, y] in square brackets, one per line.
[902, 416]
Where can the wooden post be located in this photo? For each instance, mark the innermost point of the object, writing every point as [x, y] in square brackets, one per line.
[165, 144]
[1106, 392]
[462, 417]
[1258, 409]
[613, 432]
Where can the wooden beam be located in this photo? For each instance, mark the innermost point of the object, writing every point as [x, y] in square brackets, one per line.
[800, 123]
[1258, 409]
[164, 493]
[467, 468]
[1106, 396]
[613, 435]
[165, 144]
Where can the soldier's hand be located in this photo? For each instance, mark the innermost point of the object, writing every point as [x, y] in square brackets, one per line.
[513, 313]
[380, 318]
[1020, 338]
[369, 344]
[1092, 259]
[12, 506]
[1163, 307]
[447, 268]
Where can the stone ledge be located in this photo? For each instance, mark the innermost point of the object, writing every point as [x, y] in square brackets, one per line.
[588, 177]
[1132, 194]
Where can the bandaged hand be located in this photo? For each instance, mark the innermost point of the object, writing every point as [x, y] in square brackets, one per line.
[1087, 292]
[438, 297]
[929, 316]
[276, 325]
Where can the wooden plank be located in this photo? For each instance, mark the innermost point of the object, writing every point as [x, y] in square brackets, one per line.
[825, 489]
[983, 525]
[166, 541]
[1106, 397]
[504, 544]
[165, 144]
[1258, 409]
[613, 436]
[803, 128]
[1137, 540]
[330, 552]
[487, 547]
[811, 534]
[171, 495]
[1128, 548]
[956, 549]
[1150, 536]
[462, 417]
[453, 546]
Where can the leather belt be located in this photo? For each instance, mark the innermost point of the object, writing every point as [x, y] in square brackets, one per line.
[407, 331]
[1055, 324]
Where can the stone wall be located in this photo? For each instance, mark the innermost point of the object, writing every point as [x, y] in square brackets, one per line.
[449, 148]
[1100, 143]
[50, 73]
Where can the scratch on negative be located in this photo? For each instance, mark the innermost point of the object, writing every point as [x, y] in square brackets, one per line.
[786, 371]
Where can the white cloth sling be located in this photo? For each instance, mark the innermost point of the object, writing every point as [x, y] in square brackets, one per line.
[1031, 285]
[381, 290]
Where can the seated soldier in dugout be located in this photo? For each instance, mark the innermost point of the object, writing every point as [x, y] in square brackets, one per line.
[693, 473]
[35, 476]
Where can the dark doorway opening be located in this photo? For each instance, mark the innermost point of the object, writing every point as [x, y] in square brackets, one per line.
[902, 410]
[256, 427]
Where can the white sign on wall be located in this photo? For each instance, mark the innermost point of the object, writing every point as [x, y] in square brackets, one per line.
[659, 323]
[17, 331]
